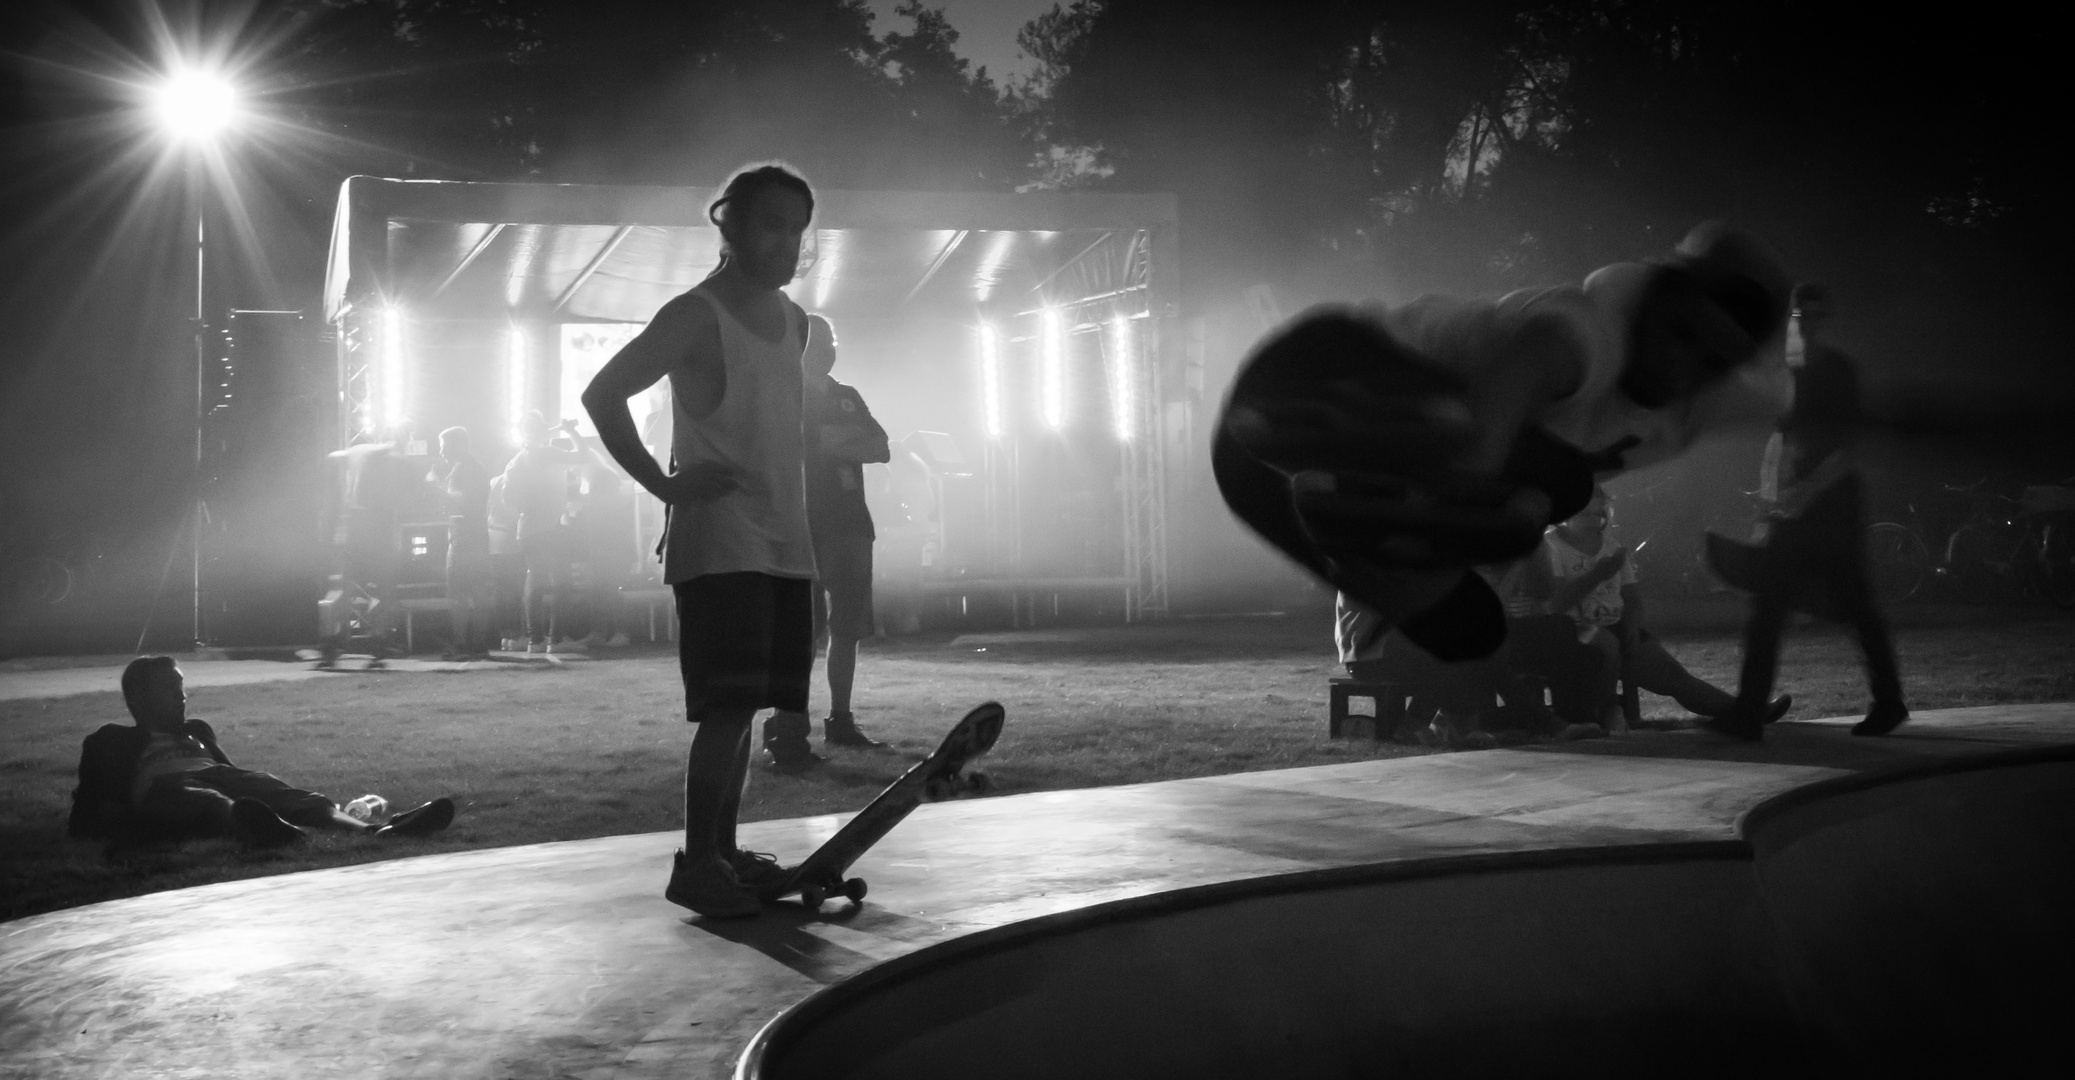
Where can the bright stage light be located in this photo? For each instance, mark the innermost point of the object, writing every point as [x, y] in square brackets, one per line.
[1052, 367]
[515, 382]
[194, 105]
[392, 354]
[1123, 379]
[990, 379]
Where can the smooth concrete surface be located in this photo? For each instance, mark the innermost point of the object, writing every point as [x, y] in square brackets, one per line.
[1819, 948]
[563, 960]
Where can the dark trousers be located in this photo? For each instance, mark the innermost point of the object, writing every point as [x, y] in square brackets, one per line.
[1815, 563]
[547, 578]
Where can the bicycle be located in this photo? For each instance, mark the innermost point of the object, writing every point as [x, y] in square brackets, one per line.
[2014, 548]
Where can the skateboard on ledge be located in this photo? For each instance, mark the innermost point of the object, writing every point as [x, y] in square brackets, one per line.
[335, 660]
[941, 775]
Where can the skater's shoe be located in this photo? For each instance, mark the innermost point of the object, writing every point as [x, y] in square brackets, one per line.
[1778, 708]
[1737, 724]
[1574, 732]
[1885, 716]
[420, 820]
[754, 869]
[260, 827]
[840, 729]
[709, 886]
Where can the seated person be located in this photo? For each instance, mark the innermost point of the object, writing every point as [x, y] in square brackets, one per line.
[1594, 584]
[167, 779]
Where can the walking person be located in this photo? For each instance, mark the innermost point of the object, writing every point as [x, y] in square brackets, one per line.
[842, 438]
[1814, 555]
[738, 552]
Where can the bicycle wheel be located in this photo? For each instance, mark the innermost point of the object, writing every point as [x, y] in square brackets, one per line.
[1899, 560]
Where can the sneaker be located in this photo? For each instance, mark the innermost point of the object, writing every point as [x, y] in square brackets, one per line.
[1736, 725]
[1574, 732]
[754, 869]
[709, 887]
[1884, 717]
[840, 729]
[1481, 740]
[619, 641]
[1778, 708]
[259, 826]
[420, 820]
[792, 755]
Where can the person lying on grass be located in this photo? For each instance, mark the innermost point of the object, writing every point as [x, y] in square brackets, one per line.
[167, 779]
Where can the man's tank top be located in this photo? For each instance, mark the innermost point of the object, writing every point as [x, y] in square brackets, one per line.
[756, 430]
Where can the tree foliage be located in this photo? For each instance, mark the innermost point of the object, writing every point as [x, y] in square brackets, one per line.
[1478, 144]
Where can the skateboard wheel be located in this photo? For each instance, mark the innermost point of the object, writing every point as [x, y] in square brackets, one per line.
[812, 896]
[855, 889]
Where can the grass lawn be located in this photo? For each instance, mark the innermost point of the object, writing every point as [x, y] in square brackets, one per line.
[538, 753]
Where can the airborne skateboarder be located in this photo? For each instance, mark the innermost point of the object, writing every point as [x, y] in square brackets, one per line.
[737, 550]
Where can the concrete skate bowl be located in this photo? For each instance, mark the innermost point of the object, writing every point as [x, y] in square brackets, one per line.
[1893, 924]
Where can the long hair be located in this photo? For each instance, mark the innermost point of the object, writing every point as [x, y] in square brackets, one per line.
[743, 187]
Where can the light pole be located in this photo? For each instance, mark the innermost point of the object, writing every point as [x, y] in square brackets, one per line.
[194, 107]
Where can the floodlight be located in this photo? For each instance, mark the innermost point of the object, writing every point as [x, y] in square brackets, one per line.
[1052, 361]
[392, 353]
[990, 379]
[1123, 379]
[515, 382]
[194, 105]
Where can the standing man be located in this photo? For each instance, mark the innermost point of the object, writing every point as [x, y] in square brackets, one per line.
[842, 438]
[1814, 557]
[464, 488]
[536, 485]
[737, 549]
[364, 536]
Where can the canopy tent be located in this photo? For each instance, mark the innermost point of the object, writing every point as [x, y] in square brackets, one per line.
[455, 303]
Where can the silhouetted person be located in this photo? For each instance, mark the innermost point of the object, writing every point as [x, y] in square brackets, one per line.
[1814, 555]
[842, 438]
[370, 492]
[464, 488]
[738, 551]
[536, 487]
[507, 570]
[1389, 451]
[168, 779]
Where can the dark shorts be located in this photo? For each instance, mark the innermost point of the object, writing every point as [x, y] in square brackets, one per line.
[843, 592]
[745, 641]
[174, 794]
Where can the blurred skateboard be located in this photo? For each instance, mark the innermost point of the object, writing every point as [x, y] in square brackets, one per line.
[331, 660]
[939, 776]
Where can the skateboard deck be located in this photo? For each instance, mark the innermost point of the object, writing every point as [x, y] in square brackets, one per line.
[341, 661]
[939, 776]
